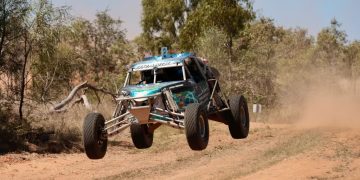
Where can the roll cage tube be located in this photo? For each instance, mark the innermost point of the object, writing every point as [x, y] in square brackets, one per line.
[201, 66]
[196, 70]
[155, 69]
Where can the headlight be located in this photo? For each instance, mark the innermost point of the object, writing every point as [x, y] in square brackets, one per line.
[141, 102]
[141, 99]
[125, 93]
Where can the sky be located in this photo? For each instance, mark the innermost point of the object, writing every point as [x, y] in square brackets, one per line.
[310, 14]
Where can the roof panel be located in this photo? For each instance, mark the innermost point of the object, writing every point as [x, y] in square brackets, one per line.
[160, 61]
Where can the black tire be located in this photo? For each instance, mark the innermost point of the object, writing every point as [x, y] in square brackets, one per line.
[240, 123]
[95, 142]
[196, 127]
[141, 136]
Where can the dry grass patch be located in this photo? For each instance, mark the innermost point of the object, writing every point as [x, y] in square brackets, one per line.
[62, 131]
[285, 149]
[165, 138]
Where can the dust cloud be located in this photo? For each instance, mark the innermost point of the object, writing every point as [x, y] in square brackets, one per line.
[324, 108]
[330, 102]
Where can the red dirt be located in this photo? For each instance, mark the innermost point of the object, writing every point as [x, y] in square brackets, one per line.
[270, 152]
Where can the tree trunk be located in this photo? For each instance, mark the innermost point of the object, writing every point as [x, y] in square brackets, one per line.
[60, 106]
[3, 31]
[27, 48]
[230, 60]
[86, 102]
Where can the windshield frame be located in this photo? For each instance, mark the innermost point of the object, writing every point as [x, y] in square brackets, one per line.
[128, 76]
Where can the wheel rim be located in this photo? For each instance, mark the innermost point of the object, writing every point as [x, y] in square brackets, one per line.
[242, 116]
[146, 129]
[202, 126]
[100, 132]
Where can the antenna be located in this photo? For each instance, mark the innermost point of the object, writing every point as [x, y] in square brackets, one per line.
[164, 51]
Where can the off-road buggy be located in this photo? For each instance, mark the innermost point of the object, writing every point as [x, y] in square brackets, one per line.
[178, 90]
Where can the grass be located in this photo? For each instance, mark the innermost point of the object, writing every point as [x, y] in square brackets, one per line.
[285, 148]
[127, 175]
[344, 154]
[165, 137]
[169, 139]
[66, 127]
[291, 147]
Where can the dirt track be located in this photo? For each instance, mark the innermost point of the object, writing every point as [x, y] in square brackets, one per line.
[272, 151]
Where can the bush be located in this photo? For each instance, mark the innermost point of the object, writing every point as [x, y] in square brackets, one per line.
[10, 129]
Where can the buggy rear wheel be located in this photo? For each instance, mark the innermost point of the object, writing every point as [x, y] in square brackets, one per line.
[95, 139]
[141, 136]
[240, 123]
[196, 127]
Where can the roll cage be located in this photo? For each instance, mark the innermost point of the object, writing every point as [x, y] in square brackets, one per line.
[191, 68]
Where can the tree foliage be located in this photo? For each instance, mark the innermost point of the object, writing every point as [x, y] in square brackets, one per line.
[271, 62]
[13, 15]
[190, 20]
[229, 16]
[44, 51]
[178, 24]
[330, 45]
[161, 22]
[102, 49]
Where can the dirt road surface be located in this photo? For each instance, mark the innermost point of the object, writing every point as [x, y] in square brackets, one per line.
[272, 151]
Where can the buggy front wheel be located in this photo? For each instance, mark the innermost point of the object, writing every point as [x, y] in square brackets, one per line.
[240, 123]
[141, 136]
[95, 139]
[196, 127]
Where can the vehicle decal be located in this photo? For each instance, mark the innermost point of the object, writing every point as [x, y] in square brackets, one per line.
[155, 64]
[187, 97]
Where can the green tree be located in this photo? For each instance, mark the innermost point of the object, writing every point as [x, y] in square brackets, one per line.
[14, 49]
[255, 70]
[161, 22]
[50, 70]
[330, 46]
[14, 53]
[229, 16]
[13, 14]
[212, 47]
[102, 49]
[352, 63]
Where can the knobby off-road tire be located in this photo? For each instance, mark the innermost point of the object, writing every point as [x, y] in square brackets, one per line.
[94, 142]
[141, 136]
[196, 127]
[240, 124]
